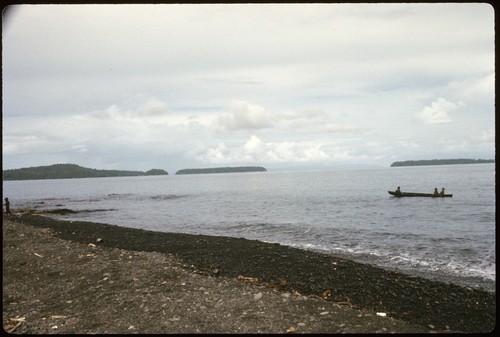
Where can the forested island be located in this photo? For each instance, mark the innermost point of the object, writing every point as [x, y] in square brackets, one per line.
[222, 170]
[67, 171]
[441, 162]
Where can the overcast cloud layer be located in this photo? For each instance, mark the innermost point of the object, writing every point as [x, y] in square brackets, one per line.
[281, 86]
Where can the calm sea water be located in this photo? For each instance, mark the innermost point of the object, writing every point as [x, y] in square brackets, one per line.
[347, 213]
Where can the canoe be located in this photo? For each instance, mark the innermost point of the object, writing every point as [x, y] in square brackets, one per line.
[413, 194]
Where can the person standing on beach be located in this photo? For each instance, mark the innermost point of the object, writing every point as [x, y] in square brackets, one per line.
[7, 206]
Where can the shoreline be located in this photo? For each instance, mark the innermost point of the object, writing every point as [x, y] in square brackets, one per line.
[411, 299]
[471, 281]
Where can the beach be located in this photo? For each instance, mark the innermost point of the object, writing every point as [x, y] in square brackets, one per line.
[83, 277]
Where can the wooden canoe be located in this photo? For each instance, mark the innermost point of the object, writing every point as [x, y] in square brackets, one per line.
[414, 194]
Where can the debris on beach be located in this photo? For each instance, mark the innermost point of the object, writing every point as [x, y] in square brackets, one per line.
[327, 294]
[91, 255]
[57, 316]
[13, 324]
[247, 279]
[281, 283]
[207, 271]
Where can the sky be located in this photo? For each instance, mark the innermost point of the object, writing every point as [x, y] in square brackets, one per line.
[283, 86]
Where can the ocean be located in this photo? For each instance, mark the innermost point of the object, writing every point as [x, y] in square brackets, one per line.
[346, 213]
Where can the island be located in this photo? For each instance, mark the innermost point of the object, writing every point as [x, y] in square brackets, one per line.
[222, 170]
[68, 171]
[441, 162]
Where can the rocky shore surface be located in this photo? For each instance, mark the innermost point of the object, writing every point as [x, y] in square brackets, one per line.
[80, 277]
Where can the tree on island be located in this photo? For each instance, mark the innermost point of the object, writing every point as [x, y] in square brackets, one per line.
[67, 171]
[222, 170]
[156, 172]
[441, 162]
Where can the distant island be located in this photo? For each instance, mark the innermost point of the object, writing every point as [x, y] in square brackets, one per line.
[222, 170]
[67, 171]
[441, 162]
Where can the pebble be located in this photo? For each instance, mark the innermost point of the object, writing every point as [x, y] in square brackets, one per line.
[258, 296]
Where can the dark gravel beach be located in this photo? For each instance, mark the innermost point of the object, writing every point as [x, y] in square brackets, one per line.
[300, 280]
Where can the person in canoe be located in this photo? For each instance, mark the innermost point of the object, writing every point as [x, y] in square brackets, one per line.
[441, 194]
[398, 191]
[436, 192]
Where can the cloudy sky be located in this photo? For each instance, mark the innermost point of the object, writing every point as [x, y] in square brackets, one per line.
[298, 86]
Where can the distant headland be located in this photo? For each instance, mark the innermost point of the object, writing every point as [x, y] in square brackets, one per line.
[68, 171]
[441, 162]
[222, 170]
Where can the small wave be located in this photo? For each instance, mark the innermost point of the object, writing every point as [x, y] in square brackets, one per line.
[270, 228]
[52, 199]
[64, 211]
[61, 211]
[118, 195]
[167, 197]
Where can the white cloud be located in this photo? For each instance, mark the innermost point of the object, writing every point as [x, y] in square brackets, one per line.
[438, 111]
[20, 144]
[474, 90]
[242, 115]
[113, 111]
[153, 107]
[487, 136]
[257, 151]
[254, 146]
